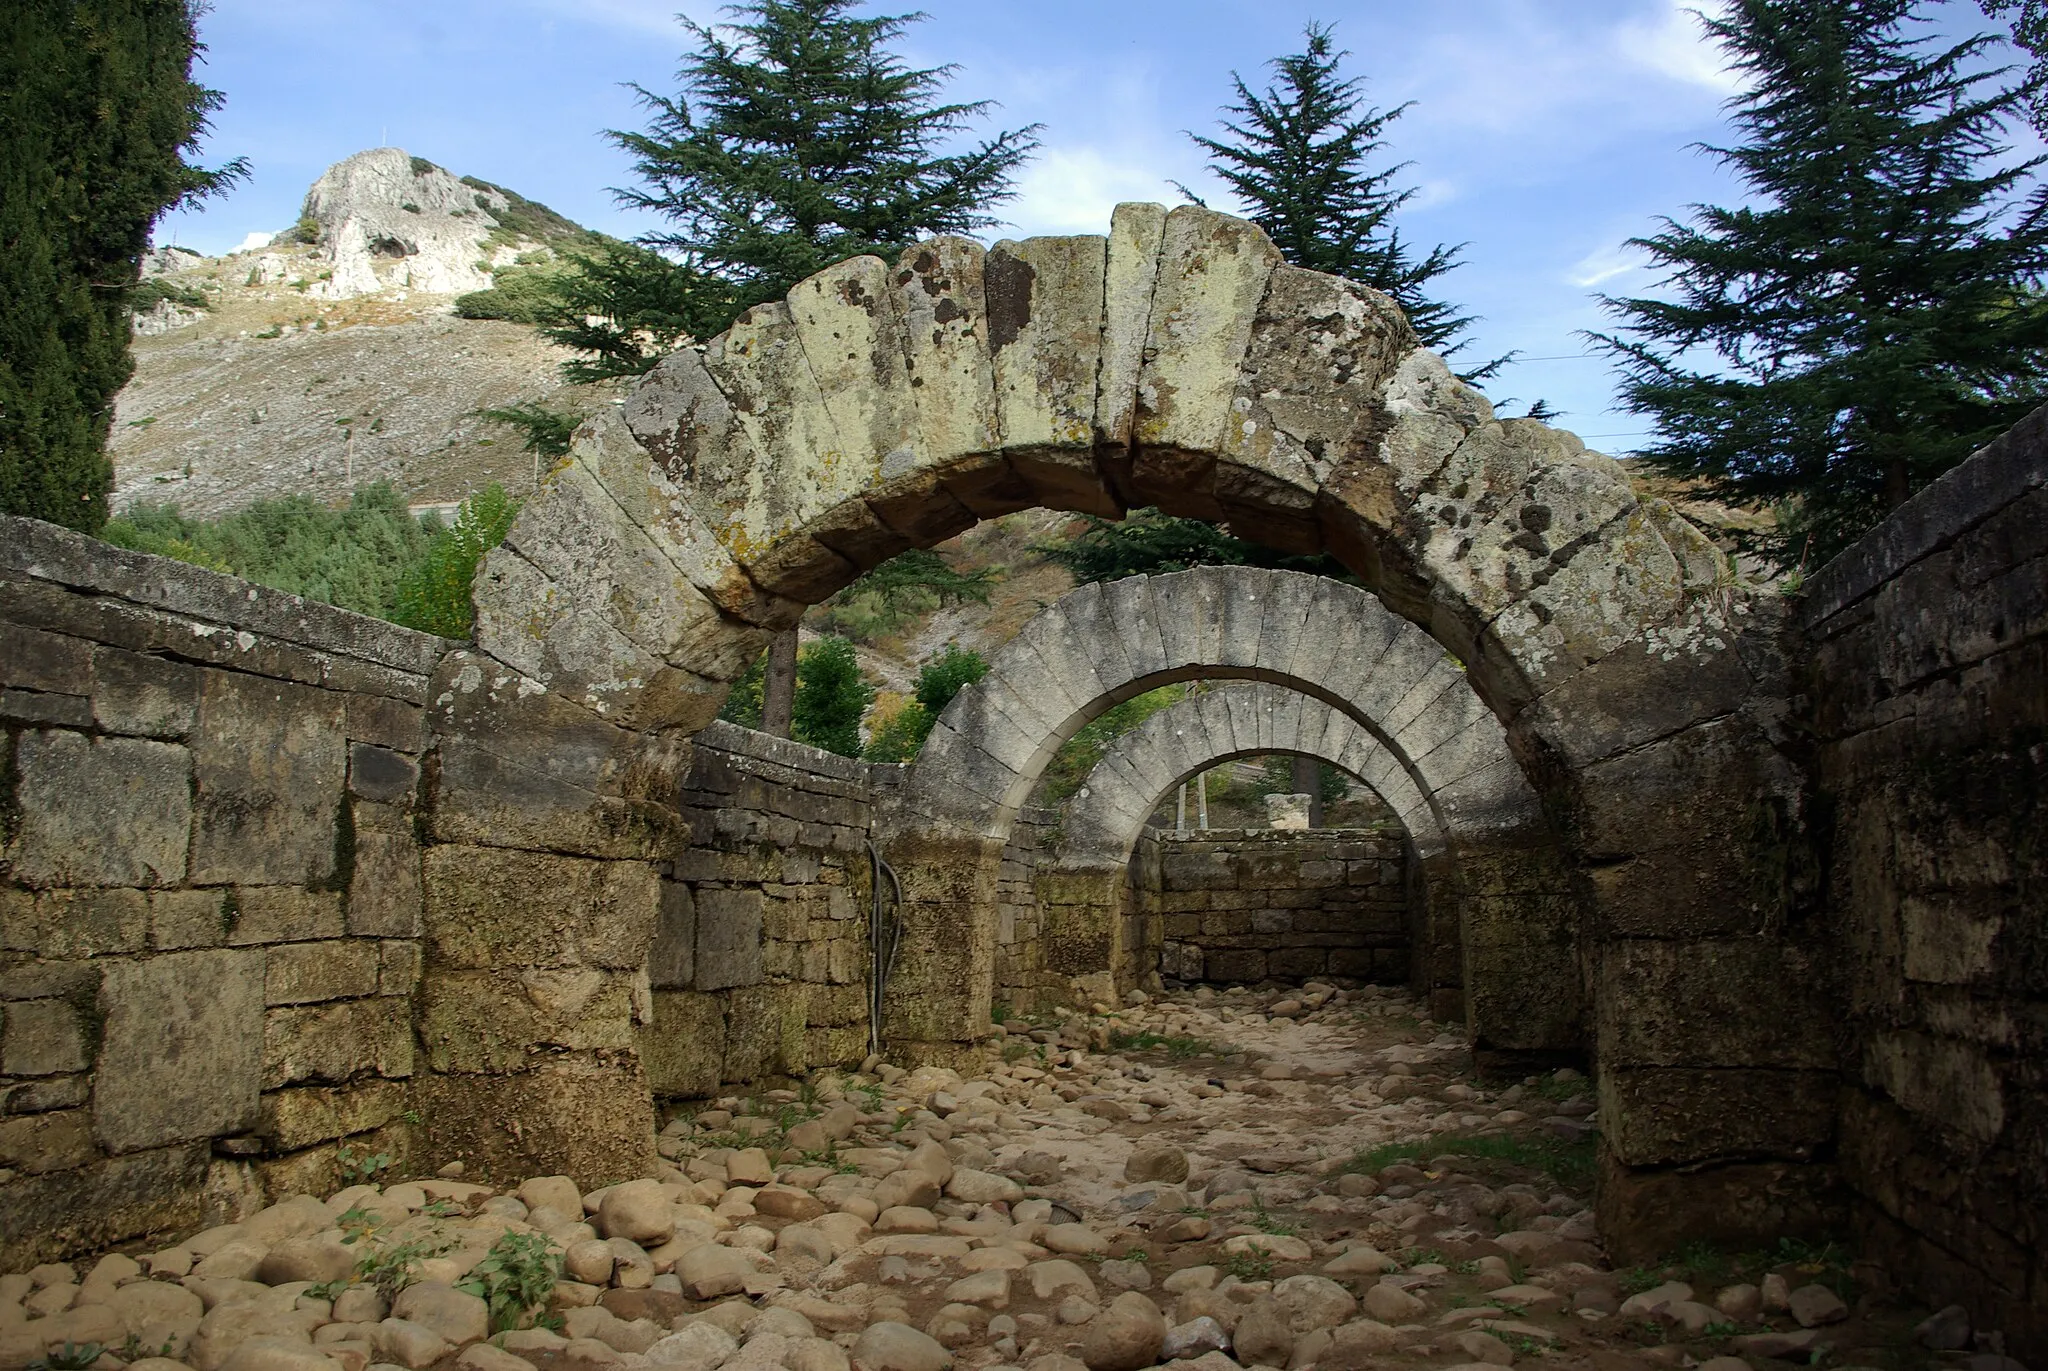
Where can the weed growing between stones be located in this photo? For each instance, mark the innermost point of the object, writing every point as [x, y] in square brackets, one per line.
[515, 1278]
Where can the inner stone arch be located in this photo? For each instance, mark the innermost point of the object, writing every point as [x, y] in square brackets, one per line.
[1342, 678]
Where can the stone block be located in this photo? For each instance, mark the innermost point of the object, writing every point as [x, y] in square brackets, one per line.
[385, 898]
[1234, 965]
[764, 1031]
[337, 1042]
[282, 914]
[149, 697]
[379, 774]
[497, 1021]
[39, 1143]
[567, 1116]
[1690, 1004]
[520, 766]
[74, 923]
[99, 811]
[41, 1038]
[269, 759]
[39, 707]
[1675, 1117]
[496, 907]
[308, 973]
[293, 1119]
[398, 968]
[43, 1218]
[683, 1048]
[35, 660]
[183, 919]
[729, 938]
[181, 1049]
[378, 719]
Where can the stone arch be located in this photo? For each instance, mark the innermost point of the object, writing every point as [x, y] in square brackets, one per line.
[1103, 821]
[1503, 877]
[1178, 362]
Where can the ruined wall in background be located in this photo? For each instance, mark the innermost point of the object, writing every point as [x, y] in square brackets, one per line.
[1927, 676]
[1244, 905]
[210, 890]
[760, 960]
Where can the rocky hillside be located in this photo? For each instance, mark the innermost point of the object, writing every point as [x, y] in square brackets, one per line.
[332, 357]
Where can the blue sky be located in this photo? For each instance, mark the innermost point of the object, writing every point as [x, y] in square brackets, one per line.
[1543, 134]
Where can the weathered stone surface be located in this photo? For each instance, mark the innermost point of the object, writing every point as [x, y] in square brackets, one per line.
[493, 908]
[684, 1046]
[728, 944]
[180, 1057]
[269, 762]
[105, 811]
[522, 766]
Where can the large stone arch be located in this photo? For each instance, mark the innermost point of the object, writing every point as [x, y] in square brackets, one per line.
[1435, 749]
[1178, 362]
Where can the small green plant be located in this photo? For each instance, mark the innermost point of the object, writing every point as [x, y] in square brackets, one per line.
[71, 1356]
[1722, 1329]
[1015, 1051]
[360, 1166]
[1249, 1266]
[1270, 1223]
[514, 1278]
[274, 331]
[1637, 1279]
[411, 1116]
[1571, 1163]
[1423, 1256]
[394, 1267]
[327, 1290]
[1524, 1345]
[134, 1349]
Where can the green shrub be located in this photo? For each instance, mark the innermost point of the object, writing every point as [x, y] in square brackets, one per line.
[938, 681]
[156, 288]
[435, 594]
[831, 697]
[518, 295]
[353, 557]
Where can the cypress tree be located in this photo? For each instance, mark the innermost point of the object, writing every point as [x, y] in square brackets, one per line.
[1873, 315]
[1300, 154]
[97, 112]
[798, 139]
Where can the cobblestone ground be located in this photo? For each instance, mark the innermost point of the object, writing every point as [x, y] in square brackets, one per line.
[1278, 1178]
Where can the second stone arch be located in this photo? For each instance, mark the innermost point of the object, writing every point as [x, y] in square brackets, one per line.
[1335, 675]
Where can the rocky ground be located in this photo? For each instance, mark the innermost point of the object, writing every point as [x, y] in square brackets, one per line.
[1286, 1179]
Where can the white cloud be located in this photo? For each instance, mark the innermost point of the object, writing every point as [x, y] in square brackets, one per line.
[1073, 189]
[1605, 264]
[1674, 44]
[254, 242]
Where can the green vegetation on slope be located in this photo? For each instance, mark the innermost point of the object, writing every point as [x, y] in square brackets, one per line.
[372, 557]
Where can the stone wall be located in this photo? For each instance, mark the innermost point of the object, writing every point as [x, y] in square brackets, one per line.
[760, 960]
[1928, 658]
[210, 890]
[1022, 982]
[1246, 905]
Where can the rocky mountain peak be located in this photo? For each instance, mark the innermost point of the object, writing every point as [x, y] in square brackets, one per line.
[385, 219]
